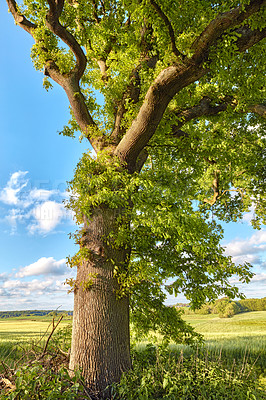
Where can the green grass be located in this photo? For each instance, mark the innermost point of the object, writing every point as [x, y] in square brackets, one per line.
[246, 324]
[230, 365]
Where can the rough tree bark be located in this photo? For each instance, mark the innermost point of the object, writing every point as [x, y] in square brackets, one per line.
[100, 338]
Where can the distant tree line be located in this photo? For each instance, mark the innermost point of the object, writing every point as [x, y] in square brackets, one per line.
[29, 313]
[226, 308]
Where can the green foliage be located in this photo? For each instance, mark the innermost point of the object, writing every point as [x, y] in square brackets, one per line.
[160, 374]
[100, 182]
[41, 375]
[37, 383]
[27, 313]
[253, 304]
[171, 238]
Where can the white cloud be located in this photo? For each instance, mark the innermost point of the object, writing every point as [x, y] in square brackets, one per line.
[3, 277]
[44, 266]
[258, 238]
[240, 247]
[40, 209]
[250, 250]
[13, 217]
[247, 258]
[39, 285]
[41, 194]
[259, 278]
[36, 286]
[47, 215]
[248, 216]
[11, 193]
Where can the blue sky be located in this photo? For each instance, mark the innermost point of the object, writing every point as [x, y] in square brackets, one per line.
[35, 164]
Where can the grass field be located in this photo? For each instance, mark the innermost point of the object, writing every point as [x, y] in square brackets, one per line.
[246, 324]
[234, 347]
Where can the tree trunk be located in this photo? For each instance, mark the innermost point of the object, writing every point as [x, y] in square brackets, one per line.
[100, 337]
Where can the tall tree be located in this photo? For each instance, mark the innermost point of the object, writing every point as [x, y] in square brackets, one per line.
[179, 145]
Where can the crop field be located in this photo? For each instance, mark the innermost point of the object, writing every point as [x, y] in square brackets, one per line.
[17, 330]
[240, 339]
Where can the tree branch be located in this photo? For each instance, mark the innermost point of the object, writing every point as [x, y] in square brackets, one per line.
[80, 110]
[97, 19]
[249, 37]
[219, 25]
[259, 109]
[132, 94]
[170, 81]
[52, 22]
[69, 82]
[203, 108]
[215, 188]
[169, 26]
[51, 334]
[174, 78]
[22, 21]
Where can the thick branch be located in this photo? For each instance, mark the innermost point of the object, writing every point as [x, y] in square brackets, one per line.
[70, 83]
[102, 60]
[174, 78]
[203, 108]
[249, 37]
[23, 22]
[219, 25]
[166, 85]
[52, 22]
[169, 26]
[259, 109]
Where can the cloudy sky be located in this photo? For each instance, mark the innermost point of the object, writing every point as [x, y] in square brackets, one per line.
[35, 164]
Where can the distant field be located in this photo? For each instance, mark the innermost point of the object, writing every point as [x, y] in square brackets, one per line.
[19, 329]
[248, 325]
[245, 324]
